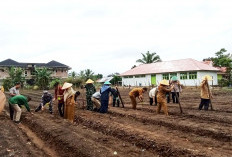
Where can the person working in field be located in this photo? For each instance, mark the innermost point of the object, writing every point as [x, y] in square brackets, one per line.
[161, 96]
[13, 92]
[104, 91]
[69, 96]
[16, 103]
[90, 90]
[115, 95]
[46, 99]
[59, 96]
[137, 92]
[206, 94]
[96, 98]
[176, 89]
[153, 96]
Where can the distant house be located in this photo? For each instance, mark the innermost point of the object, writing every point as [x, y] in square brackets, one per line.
[188, 71]
[59, 70]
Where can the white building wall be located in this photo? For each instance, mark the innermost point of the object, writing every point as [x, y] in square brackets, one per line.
[146, 81]
[141, 81]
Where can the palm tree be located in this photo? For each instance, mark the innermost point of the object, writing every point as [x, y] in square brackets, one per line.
[149, 58]
[88, 73]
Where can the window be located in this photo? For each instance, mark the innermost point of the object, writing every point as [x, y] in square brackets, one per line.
[183, 76]
[166, 76]
[130, 76]
[173, 74]
[25, 73]
[192, 75]
[139, 76]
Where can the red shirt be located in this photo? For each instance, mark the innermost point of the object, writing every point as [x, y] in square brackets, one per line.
[59, 94]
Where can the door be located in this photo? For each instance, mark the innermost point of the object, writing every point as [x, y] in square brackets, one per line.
[153, 79]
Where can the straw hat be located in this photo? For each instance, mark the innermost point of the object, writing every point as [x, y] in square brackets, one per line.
[89, 81]
[164, 82]
[107, 83]
[66, 85]
[207, 77]
[174, 78]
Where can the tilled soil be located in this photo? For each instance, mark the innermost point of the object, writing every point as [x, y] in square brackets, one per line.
[124, 131]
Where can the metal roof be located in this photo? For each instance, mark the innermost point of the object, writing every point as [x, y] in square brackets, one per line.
[183, 65]
[53, 64]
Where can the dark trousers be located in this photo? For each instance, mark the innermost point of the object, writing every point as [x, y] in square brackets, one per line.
[11, 110]
[42, 104]
[168, 97]
[174, 98]
[61, 109]
[104, 106]
[116, 99]
[151, 101]
[205, 103]
[89, 105]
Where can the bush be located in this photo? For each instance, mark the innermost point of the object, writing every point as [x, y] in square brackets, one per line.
[7, 84]
[223, 82]
[51, 85]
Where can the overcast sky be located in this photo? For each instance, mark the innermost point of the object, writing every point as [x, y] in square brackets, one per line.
[108, 36]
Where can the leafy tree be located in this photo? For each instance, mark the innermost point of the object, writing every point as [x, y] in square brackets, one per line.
[42, 78]
[73, 74]
[116, 79]
[89, 74]
[86, 74]
[15, 75]
[149, 58]
[223, 60]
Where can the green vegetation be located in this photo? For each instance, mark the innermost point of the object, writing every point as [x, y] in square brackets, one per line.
[15, 75]
[149, 58]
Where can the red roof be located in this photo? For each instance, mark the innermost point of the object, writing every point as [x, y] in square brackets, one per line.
[169, 67]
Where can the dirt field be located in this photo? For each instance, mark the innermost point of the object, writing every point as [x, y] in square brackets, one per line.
[124, 131]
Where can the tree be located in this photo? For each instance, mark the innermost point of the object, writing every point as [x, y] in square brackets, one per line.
[223, 60]
[42, 78]
[73, 74]
[116, 78]
[86, 74]
[149, 58]
[15, 75]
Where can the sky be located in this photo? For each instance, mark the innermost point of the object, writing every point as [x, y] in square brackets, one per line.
[108, 36]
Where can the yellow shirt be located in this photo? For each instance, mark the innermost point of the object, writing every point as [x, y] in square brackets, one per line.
[136, 92]
[2, 89]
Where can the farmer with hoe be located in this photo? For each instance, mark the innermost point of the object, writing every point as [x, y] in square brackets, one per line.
[90, 90]
[16, 103]
[161, 97]
[115, 95]
[13, 92]
[46, 99]
[176, 89]
[59, 95]
[69, 96]
[206, 94]
[137, 92]
[104, 91]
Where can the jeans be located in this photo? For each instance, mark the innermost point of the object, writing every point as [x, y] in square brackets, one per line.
[174, 97]
[61, 108]
[205, 103]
